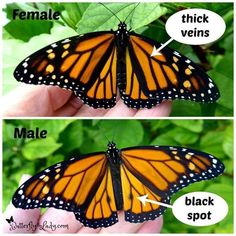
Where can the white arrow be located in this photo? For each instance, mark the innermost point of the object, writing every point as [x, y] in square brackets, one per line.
[145, 199]
[156, 52]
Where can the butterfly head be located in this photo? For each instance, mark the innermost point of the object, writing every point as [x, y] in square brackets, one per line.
[112, 153]
[122, 26]
[111, 145]
[122, 35]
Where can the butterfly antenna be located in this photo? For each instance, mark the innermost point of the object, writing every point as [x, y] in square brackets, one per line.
[110, 11]
[132, 12]
[114, 131]
[113, 136]
[107, 138]
[100, 128]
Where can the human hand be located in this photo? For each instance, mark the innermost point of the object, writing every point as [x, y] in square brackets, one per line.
[41, 101]
[60, 221]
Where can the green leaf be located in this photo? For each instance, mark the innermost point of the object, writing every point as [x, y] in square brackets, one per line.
[75, 11]
[8, 132]
[164, 139]
[22, 6]
[27, 168]
[205, 5]
[198, 186]
[226, 192]
[89, 145]
[229, 166]
[227, 43]
[176, 136]
[184, 136]
[226, 62]
[222, 111]
[98, 18]
[26, 29]
[72, 137]
[70, 12]
[8, 190]
[11, 46]
[159, 124]
[224, 80]
[53, 159]
[223, 190]
[10, 62]
[192, 125]
[228, 141]
[185, 108]
[208, 109]
[40, 148]
[53, 127]
[212, 143]
[226, 179]
[124, 132]
[11, 145]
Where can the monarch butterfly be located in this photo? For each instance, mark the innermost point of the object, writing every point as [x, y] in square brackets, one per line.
[95, 186]
[95, 64]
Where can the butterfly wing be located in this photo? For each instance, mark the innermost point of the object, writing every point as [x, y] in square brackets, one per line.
[160, 172]
[84, 64]
[132, 188]
[83, 186]
[169, 76]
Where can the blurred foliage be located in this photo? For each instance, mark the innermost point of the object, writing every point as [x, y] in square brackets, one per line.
[67, 138]
[26, 37]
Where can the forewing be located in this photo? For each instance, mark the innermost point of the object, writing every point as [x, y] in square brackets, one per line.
[82, 186]
[168, 76]
[84, 64]
[160, 172]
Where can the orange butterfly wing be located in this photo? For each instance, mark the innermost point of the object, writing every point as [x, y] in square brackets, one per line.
[132, 188]
[169, 76]
[160, 172]
[96, 185]
[84, 64]
[83, 186]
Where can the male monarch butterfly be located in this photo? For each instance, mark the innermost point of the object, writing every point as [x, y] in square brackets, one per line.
[95, 186]
[95, 64]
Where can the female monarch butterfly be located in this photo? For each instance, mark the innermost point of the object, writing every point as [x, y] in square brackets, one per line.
[95, 186]
[95, 64]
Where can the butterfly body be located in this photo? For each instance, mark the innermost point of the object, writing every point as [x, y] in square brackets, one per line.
[96, 185]
[94, 65]
[114, 160]
[122, 40]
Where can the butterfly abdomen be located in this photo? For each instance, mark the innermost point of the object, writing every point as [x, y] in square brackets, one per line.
[116, 180]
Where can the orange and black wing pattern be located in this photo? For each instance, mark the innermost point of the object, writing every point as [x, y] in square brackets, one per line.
[95, 186]
[84, 64]
[168, 76]
[160, 171]
[80, 185]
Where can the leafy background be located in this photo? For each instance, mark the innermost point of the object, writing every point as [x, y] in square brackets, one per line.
[22, 38]
[67, 138]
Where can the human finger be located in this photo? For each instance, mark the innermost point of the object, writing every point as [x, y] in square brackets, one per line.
[24, 221]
